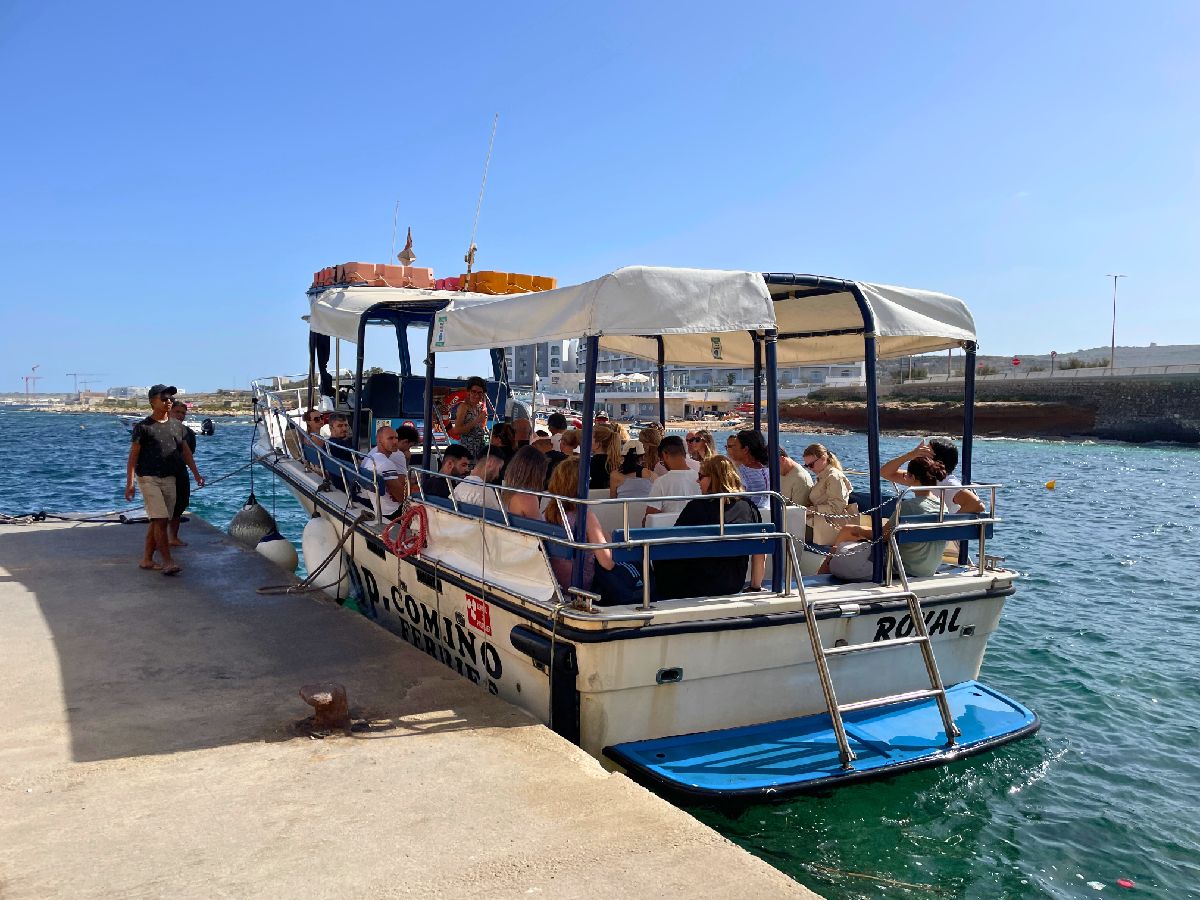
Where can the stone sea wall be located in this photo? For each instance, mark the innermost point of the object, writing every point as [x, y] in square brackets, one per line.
[1138, 409]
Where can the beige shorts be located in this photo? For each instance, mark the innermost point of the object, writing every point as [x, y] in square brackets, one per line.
[158, 494]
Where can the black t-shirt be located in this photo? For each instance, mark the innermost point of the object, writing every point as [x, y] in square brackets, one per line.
[159, 444]
[437, 487]
[600, 474]
[706, 577]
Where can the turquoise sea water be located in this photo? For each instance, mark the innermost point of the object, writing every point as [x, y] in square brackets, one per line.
[1101, 641]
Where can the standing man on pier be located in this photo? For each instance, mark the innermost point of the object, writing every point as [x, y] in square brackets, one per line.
[159, 443]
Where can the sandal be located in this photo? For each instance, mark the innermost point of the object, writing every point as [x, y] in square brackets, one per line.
[172, 570]
[151, 567]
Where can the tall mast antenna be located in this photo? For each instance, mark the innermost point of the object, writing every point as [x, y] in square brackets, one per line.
[395, 219]
[469, 259]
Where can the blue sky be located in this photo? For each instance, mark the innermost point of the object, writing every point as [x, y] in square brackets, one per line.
[172, 174]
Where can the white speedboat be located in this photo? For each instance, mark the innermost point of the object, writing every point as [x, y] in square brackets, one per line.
[804, 684]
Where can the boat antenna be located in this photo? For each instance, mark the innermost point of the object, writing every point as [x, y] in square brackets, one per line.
[469, 259]
[395, 220]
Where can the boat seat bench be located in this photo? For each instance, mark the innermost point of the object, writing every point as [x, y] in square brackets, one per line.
[537, 526]
[740, 541]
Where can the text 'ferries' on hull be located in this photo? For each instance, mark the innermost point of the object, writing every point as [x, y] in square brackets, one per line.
[801, 681]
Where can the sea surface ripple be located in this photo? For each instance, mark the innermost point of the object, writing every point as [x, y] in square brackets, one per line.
[1101, 640]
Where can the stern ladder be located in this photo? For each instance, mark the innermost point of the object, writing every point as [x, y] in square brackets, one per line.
[821, 654]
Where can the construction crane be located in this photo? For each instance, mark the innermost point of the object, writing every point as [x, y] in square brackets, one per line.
[31, 379]
[78, 375]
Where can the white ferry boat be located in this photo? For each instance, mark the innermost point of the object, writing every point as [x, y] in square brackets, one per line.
[806, 683]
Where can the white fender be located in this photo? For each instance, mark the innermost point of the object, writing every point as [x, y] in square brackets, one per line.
[318, 541]
[278, 550]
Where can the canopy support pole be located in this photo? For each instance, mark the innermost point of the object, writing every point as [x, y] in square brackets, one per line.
[968, 438]
[430, 375]
[312, 371]
[870, 351]
[778, 571]
[757, 380]
[662, 388]
[585, 457]
[360, 352]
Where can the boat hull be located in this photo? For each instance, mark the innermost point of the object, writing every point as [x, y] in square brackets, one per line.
[625, 675]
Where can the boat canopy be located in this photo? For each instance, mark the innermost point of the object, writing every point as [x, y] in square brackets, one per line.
[705, 317]
[694, 310]
[820, 319]
[336, 311]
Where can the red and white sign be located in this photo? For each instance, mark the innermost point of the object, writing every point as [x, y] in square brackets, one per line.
[1054, 353]
[479, 615]
[1016, 362]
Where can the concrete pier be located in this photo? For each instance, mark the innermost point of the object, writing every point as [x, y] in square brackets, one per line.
[148, 748]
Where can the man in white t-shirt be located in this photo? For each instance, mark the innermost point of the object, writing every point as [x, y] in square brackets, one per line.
[677, 480]
[390, 469]
[557, 424]
[473, 488]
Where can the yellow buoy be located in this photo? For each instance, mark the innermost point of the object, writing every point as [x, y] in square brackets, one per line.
[1051, 485]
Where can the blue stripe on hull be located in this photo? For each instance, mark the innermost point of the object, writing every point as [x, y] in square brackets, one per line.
[797, 755]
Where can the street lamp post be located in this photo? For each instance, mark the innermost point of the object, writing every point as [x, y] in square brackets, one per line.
[1112, 353]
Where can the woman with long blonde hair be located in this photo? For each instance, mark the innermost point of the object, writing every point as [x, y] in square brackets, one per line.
[650, 436]
[713, 577]
[829, 506]
[564, 481]
[606, 455]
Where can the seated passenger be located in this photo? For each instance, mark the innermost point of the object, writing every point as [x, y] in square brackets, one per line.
[564, 482]
[313, 420]
[606, 454]
[794, 481]
[852, 556]
[474, 489]
[677, 481]
[557, 424]
[339, 443]
[390, 467]
[829, 498]
[544, 442]
[748, 451]
[947, 454]
[650, 437]
[526, 472]
[715, 576]
[632, 480]
[518, 416]
[504, 438]
[700, 446]
[456, 462]
[569, 440]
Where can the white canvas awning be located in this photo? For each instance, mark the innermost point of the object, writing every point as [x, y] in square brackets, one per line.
[336, 311]
[682, 305]
[705, 316]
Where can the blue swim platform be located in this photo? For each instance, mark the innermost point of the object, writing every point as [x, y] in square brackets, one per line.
[792, 756]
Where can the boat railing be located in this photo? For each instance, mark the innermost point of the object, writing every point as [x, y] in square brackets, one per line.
[955, 523]
[360, 471]
[642, 543]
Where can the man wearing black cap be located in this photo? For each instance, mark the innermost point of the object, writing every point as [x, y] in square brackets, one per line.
[159, 444]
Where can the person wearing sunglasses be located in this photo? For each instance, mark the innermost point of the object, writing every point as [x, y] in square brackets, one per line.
[313, 420]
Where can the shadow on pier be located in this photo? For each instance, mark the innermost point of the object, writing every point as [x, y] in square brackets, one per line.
[152, 665]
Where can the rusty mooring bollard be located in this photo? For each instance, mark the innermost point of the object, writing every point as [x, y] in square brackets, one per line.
[328, 699]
